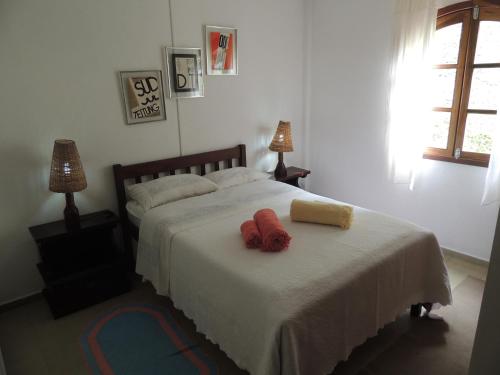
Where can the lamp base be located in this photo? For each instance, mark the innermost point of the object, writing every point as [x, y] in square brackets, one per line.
[280, 170]
[71, 214]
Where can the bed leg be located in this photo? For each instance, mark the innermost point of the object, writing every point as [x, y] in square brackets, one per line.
[128, 249]
[428, 307]
[129, 254]
[416, 310]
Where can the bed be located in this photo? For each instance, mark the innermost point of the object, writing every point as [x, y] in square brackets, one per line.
[296, 312]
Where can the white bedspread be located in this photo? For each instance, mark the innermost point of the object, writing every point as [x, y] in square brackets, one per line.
[299, 311]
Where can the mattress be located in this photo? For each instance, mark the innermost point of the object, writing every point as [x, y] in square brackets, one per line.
[300, 311]
[135, 212]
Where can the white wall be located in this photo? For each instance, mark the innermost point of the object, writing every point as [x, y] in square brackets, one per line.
[59, 62]
[350, 54]
[58, 67]
[269, 86]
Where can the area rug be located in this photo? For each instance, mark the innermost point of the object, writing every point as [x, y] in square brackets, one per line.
[141, 339]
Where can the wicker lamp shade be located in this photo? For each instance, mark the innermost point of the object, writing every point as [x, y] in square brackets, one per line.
[66, 171]
[282, 140]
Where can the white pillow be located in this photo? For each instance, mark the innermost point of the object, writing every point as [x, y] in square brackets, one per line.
[169, 189]
[236, 176]
[135, 212]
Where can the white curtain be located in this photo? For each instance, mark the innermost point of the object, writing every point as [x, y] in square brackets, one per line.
[411, 74]
[491, 192]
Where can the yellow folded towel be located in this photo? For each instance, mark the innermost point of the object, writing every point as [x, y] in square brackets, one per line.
[321, 213]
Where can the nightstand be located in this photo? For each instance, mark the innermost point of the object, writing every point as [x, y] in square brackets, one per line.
[293, 174]
[80, 267]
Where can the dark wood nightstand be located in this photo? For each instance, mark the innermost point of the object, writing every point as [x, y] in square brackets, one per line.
[293, 174]
[81, 267]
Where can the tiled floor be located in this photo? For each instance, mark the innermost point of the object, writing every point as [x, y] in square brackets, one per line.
[35, 344]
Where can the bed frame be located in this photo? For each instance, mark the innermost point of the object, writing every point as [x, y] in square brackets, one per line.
[196, 163]
[137, 173]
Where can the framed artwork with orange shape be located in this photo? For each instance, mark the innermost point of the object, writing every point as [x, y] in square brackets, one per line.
[221, 50]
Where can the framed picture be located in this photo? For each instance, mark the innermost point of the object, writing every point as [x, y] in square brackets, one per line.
[143, 96]
[185, 72]
[221, 50]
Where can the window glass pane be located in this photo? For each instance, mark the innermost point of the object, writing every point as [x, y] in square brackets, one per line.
[479, 132]
[446, 44]
[488, 43]
[440, 126]
[443, 87]
[485, 89]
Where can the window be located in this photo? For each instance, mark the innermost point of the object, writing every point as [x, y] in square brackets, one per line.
[466, 82]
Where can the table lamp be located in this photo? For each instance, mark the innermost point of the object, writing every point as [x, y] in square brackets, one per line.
[67, 176]
[282, 142]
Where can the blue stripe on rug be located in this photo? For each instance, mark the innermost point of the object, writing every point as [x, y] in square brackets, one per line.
[141, 339]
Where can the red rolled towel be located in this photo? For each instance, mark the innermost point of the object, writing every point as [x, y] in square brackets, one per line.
[251, 234]
[274, 236]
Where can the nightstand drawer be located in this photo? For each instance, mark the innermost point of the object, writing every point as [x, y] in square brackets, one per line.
[81, 251]
[86, 288]
[80, 267]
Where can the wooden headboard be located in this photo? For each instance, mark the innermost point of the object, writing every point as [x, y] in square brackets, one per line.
[137, 173]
